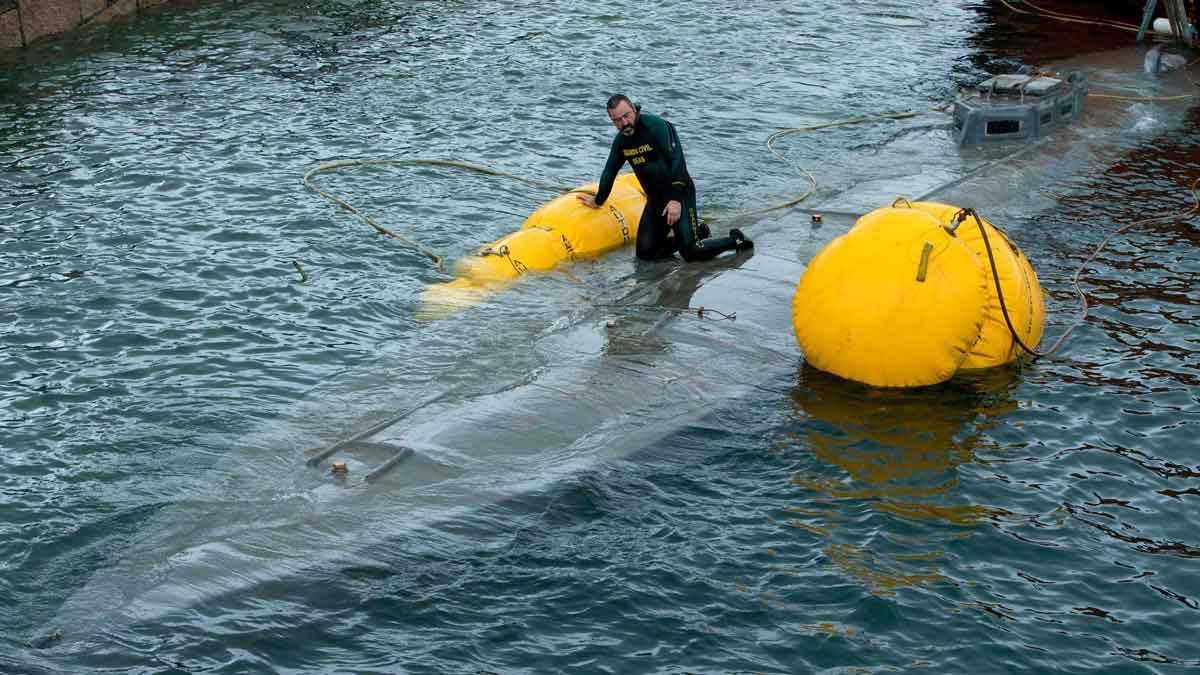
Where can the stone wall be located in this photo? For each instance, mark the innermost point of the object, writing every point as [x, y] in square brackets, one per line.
[24, 22]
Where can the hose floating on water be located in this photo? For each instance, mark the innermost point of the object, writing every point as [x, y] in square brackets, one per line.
[438, 260]
[808, 174]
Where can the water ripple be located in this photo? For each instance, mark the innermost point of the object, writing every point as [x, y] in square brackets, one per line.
[165, 366]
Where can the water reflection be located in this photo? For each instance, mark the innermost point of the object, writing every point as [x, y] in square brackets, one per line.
[899, 453]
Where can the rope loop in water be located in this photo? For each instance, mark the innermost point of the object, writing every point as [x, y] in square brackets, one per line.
[1194, 209]
[807, 174]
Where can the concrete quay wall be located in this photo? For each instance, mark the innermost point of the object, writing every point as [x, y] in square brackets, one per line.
[24, 22]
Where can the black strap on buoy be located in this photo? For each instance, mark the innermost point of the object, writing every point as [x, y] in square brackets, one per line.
[987, 245]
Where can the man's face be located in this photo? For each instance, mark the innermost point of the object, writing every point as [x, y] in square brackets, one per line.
[623, 118]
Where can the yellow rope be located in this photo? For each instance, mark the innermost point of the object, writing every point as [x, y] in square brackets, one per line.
[1121, 25]
[1142, 98]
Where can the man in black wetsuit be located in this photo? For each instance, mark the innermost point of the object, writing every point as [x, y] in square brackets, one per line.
[649, 143]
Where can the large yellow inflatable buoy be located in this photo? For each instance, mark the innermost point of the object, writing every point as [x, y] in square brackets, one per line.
[562, 230]
[908, 297]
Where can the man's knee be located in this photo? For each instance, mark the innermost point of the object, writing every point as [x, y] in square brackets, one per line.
[665, 249]
[656, 250]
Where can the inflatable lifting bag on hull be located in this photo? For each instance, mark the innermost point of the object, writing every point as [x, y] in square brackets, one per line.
[905, 299]
[562, 230]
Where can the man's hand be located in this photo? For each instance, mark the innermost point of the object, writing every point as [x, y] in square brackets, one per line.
[672, 212]
[587, 200]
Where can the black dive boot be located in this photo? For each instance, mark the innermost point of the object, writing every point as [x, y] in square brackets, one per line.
[743, 244]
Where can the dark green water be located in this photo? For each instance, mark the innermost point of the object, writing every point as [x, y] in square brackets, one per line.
[598, 488]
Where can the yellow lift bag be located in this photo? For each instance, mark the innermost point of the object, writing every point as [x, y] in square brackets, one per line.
[907, 298]
[562, 230]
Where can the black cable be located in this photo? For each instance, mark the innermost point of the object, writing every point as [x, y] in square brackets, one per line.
[987, 244]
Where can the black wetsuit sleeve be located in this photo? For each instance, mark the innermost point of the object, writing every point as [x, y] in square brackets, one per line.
[666, 138]
[615, 159]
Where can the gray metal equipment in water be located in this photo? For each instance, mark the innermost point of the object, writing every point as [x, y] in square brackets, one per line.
[1018, 107]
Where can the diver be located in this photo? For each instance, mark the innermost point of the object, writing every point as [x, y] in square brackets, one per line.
[651, 146]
